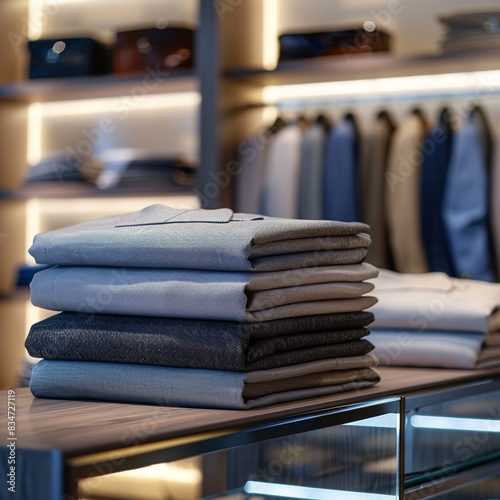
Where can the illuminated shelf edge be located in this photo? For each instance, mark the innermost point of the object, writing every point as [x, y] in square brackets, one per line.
[56, 89]
[365, 66]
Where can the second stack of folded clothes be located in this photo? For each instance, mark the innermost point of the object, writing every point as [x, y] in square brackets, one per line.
[432, 320]
[202, 308]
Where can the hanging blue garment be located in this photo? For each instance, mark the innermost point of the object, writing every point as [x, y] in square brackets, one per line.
[436, 149]
[466, 202]
[340, 190]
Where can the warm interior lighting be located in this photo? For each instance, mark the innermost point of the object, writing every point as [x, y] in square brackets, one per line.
[32, 226]
[121, 104]
[166, 472]
[35, 11]
[112, 106]
[270, 34]
[455, 423]
[181, 479]
[34, 134]
[292, 491]
[40, 11]
[114, 204]
[479, 84]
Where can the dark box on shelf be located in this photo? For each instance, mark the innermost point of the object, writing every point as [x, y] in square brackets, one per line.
[328, 43]
[161, 49]
[63, 57]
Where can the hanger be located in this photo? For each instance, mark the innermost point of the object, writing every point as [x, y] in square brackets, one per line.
[386, 116]
[420, 114]
[350, 116]
[445, 115]
[324, 121]
[277, 125]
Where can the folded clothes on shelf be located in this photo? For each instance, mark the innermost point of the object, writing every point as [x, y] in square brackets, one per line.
[191, 294]
[219, 345]
[220, 240]
[435, 301]
[434, 320]
[439, 349]
[252, 331]
[122, 167]
[193, 387]
[260, 309]
[475, 28]
[62, 167]
[116, 168]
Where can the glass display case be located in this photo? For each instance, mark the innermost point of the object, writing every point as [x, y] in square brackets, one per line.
[418, 434]
[450, 449]
[452, 435]
[343, 453]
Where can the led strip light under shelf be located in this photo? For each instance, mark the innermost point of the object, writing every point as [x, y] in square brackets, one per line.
[476, 85]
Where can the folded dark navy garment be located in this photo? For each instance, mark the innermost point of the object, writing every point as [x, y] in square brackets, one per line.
[190, 387]
[219, 345]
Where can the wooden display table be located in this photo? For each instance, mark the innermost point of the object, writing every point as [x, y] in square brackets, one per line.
[72, 439]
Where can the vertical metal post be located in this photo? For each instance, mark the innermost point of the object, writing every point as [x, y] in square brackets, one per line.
[401, 449]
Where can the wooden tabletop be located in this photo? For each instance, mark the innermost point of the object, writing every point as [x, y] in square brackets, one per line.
[79, 427]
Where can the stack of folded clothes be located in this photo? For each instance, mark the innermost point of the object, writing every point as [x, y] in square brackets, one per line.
[432, 320]
[131, 167]
[476, 28]
[202, 308]
[58, 167]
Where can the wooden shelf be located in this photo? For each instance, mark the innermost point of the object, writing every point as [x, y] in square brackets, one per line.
[61, 89]
[82, 190]
[67, 426]
[75, 439]
[366, 66]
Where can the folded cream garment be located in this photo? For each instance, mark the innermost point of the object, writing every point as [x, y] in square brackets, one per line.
[434, 301]
[438, 349]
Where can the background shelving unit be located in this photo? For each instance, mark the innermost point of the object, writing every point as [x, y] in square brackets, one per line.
[235, 66]
[52, 89]
[55, 111]
[44, 115]
[366, 66]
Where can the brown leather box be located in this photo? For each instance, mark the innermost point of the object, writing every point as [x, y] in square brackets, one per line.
[155, 48]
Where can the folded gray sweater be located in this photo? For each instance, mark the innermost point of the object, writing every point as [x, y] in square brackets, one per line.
[228, 296]
[163, 237]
